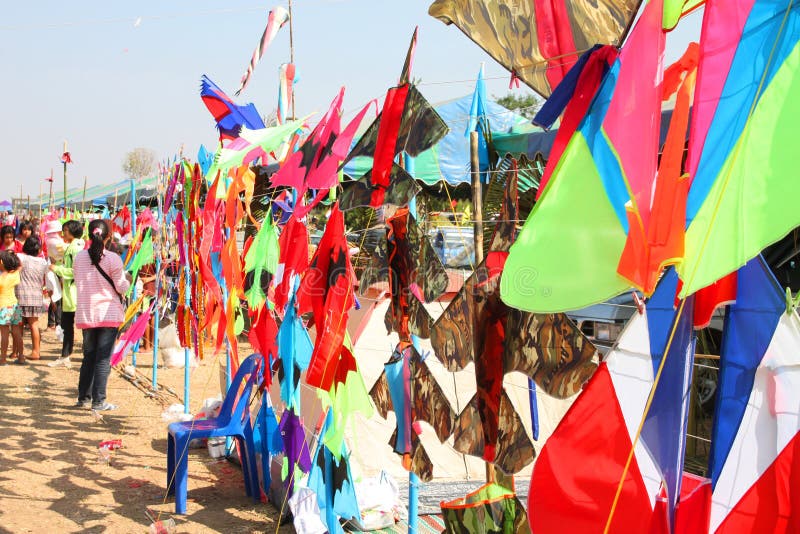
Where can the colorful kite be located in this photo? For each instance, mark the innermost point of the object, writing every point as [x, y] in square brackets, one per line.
[278, 16]
[404, 257]
[538, 41]
[590, 447]
[755, 445]
[407, 388]
[607, 168]
[315, 164]
[407, 123]
[332, 482]
[230, 117]
[478, 327]
[251, 145]
[327, 291]
[741, 154]
[260, 264]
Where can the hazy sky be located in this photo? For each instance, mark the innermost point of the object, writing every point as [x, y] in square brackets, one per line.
[111, 76]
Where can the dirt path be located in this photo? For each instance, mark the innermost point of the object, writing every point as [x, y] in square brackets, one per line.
[51, 475]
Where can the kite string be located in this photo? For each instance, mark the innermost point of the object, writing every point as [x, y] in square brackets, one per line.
[714, 214]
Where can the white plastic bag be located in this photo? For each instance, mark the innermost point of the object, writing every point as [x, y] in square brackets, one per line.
[53, 285]
[305, 510]
[169, 348]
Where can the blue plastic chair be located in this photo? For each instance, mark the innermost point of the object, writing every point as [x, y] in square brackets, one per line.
[233, 421]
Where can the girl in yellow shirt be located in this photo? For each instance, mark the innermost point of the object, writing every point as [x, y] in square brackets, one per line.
[10, 314]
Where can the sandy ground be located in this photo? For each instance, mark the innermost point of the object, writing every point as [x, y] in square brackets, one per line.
[51, 475]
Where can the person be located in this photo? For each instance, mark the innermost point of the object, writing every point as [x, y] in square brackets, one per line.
[25, 231]
[10, 317]
[54, 244]
[7, 239]
[73, 236]
[100, 282]
[30, 297]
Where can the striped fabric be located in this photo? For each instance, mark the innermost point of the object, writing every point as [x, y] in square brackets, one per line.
[98, 304]
[277, 18]
[29, 290]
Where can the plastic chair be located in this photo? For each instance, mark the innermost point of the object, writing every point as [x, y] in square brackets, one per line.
[233, 421]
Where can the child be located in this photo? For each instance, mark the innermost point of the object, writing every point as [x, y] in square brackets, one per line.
[25, 231]
[7, 240]
[72, 232]
[30, 288]
[10, 316]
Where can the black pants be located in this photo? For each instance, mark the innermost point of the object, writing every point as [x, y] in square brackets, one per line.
[54, 314]
[68, 325]
[98, 343]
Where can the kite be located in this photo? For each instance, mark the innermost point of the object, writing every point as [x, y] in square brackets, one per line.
[292, 263]
[295, 447]
[591, 445]
[294, 349]
[477, 326]
[538, 41]
[490, 508]
[131, 336]
[407, 123]
[251, 145]
[230, 117]
[407, 388]
[327, 291]
[332, 482]
[741, 155]
[315, 164]
[606, 169]
[260, 264]
[144, 256]
[755, 446]
[405, 258]
[278, 16]
[286, 78]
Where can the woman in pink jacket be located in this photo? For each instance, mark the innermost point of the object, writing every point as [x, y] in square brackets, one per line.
[100, 282]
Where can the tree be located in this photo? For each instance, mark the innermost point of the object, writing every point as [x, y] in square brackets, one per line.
[139, 163]
[525, 105]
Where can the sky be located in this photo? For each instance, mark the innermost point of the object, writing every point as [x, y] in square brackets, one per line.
[108, 77]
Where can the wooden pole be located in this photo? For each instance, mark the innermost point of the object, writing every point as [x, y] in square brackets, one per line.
[50, 203]
[291, 48]
[477, 197]
[65, 179]
[83, 202]
[41, 201]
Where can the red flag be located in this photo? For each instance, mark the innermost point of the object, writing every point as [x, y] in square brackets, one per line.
[66, 158]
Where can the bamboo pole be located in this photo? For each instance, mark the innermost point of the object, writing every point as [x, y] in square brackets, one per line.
[50, 202]
[83, 202]
[291, 48]
[65, 178]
